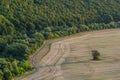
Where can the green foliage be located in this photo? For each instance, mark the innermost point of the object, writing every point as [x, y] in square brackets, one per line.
[2, 46]
[96, 55]
[7, 75]
[24, 25]
[17, 51]
[10, 68]
[20, 67]
[113, 25]
[84, 28]
[6, 27]
[34, 15]
[5, 70]
[118, 24]
[1, 75]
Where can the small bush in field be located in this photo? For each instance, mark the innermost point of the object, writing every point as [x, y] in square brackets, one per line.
[95, 55]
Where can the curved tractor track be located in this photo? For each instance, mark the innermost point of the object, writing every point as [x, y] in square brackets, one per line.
[55, 58]
[48, 67]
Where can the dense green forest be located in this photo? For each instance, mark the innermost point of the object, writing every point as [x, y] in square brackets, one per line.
[25, 24]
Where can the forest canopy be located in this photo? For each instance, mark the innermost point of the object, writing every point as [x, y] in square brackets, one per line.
[25, 24]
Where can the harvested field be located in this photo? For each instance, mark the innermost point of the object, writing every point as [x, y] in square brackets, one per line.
[71, 59]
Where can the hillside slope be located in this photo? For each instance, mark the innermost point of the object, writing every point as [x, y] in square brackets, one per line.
[24, 25]
[38, 14]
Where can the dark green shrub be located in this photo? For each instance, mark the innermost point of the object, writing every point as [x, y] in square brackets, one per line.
[95, 55]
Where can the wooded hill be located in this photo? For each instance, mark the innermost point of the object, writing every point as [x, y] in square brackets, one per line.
[25, 24]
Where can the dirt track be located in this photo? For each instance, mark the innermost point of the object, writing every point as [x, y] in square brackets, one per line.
[70, 58]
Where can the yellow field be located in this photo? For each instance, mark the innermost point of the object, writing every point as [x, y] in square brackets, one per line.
[71, 59]
[79, 66]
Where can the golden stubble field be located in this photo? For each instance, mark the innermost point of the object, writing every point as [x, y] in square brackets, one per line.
[71, 59]
[79, 66]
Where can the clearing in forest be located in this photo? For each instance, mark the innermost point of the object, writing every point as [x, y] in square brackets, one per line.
[71, 58]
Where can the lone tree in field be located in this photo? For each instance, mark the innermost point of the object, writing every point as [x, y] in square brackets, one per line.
[95, 55]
